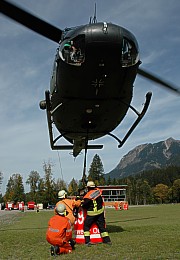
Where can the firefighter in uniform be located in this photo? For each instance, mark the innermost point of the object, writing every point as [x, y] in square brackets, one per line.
[59, 232]
[116, 205]
[93, 203]
[69, 204]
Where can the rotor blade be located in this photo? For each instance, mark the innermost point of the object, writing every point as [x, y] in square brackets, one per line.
[32, 22]
[158, 80]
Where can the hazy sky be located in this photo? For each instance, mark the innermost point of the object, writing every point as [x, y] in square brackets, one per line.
[26, 60]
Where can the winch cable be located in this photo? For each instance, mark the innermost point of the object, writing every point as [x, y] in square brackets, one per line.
[85, 162]
[60, 166]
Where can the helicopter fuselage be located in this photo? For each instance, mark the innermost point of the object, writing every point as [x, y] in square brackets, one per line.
[90, 95]
[92, 81]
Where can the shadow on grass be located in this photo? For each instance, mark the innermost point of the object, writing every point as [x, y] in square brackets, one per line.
[129, 220]
[114, 229]
[111, 228]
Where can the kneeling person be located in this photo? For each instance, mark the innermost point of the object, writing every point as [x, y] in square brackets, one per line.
[59, 232]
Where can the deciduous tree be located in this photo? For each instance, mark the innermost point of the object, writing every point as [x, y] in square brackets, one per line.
[60, 184]
[49, 184]
[15, 189]
[1, 179]
[161, 192]
[73, 187]
[33, 181]
[176, 190]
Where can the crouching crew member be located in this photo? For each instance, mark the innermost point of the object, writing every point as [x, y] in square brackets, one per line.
[93, 203]
[59, 232]
[69, 204]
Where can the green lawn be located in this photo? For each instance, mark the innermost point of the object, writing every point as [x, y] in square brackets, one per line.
[144, 232]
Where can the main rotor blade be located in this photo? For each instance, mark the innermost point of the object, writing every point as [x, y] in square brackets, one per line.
[158, 80]
[30, 21]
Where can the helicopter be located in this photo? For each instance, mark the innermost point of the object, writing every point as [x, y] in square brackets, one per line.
[92, 83]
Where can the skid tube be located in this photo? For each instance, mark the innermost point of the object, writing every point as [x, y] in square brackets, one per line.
[140, 116]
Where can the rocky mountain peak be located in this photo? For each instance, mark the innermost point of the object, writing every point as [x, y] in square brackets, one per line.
[147, 157]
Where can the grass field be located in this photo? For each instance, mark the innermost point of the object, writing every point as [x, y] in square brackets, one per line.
[144, 232]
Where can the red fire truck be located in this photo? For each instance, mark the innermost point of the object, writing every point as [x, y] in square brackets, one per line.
[31, 205]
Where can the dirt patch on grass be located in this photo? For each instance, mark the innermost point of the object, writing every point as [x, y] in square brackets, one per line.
[8, 217]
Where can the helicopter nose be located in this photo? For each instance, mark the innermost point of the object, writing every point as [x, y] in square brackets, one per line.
[103, 32]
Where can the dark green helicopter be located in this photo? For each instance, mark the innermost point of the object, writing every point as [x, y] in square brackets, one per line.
[92, 82]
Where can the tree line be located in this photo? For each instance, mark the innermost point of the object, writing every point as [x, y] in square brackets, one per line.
[45, 189]
[156, 186]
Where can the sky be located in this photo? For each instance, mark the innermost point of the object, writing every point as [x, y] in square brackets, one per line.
[26, 61]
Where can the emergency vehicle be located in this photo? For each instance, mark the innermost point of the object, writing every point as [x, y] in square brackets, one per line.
[31, 205]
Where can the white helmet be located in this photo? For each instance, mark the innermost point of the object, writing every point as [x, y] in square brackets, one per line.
[62, 194]
[61, 209]
[90, 184]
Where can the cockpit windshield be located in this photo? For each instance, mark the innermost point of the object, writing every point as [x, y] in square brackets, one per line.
[72, 51]
[130, 54]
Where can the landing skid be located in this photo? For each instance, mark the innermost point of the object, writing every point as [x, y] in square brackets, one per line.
[140, 115]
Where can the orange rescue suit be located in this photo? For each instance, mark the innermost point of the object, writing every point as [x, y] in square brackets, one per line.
[70, 205]
[59, 232]
[116, 205]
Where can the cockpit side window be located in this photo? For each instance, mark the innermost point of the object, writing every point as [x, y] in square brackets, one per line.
[130, 54]
[72, 50]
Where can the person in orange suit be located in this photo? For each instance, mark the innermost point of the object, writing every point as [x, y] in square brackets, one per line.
[116, 205]
[70, 205]
[59, 232]
[120, 205]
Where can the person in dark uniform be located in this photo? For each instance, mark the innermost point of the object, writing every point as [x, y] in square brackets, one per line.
[93, 203]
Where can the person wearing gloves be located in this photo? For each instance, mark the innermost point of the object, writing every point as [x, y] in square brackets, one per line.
[69, 204]
[59, 232]
[93, 203]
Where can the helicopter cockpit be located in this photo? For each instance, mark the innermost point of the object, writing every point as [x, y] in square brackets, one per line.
[130, 54]
[72, 51]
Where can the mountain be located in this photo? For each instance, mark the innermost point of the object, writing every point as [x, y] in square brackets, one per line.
[147, 157]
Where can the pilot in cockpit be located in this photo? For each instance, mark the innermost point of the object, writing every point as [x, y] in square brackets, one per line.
[71, 54]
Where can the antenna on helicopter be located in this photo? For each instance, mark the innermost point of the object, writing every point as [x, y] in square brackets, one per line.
[94, 19]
